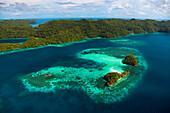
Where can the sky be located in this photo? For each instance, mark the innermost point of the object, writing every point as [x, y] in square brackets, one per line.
[144, 9]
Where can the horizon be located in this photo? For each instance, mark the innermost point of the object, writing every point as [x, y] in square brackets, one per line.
[78, 18]
[32, 9]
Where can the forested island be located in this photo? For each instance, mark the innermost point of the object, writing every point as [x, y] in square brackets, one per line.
[130, 60]
[62, 31]
[113, 77]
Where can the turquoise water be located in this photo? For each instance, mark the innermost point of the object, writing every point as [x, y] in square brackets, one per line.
[150, 94]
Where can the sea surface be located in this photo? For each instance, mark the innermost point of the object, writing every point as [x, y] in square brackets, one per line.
[13, 40]
[151, 94]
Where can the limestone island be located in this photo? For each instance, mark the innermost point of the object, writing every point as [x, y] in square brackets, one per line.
[131, 60]
[113, 77]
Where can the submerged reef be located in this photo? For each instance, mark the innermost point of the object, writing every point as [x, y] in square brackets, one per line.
[90, 80]
[129, 42]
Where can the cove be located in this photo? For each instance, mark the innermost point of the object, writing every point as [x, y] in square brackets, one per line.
[13, 40]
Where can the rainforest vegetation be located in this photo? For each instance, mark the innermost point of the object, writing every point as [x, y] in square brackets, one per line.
[113, 77]
[130, 60]
[16, 29]
[62, 31]
[19, 22]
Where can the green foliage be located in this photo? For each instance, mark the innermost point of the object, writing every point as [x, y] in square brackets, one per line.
[9, 46]
[80, 29]
[62, 31]
[16, 29]
[33, 42]
[130, 60]
[19, 22]
[113, 77]
[125, 73]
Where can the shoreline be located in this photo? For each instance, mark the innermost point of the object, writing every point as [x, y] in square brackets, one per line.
[50, 45]
[133, 34]
[69, 43]
[100, 37]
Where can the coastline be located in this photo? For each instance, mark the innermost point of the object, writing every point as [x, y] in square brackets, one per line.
[50, 45]
[70, 43]
[133, 34]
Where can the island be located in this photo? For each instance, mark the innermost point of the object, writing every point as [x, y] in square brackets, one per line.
[130, 60]
[63, 31]
[113, 77]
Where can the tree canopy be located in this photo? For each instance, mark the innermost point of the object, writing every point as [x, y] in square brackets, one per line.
[62, 31]
[130, 60]
[113, 77]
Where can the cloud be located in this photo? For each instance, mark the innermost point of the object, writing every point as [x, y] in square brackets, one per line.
[139, 8]
[63, 12]
[118, 5]
[64, 3]
[160, 6]
[18, 7]
[88, 8]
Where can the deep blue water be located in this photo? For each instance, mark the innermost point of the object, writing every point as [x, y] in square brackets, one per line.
[151, 95]
[13, 40]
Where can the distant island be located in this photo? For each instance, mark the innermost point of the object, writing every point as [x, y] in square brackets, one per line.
[62, 31]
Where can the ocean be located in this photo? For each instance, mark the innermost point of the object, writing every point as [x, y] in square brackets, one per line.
[150, 95]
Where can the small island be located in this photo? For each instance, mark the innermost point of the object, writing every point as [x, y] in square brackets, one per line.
[130, 60]
[113, 77]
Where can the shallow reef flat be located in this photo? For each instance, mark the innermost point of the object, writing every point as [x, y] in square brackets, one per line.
[129, 42]
[90, 79]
